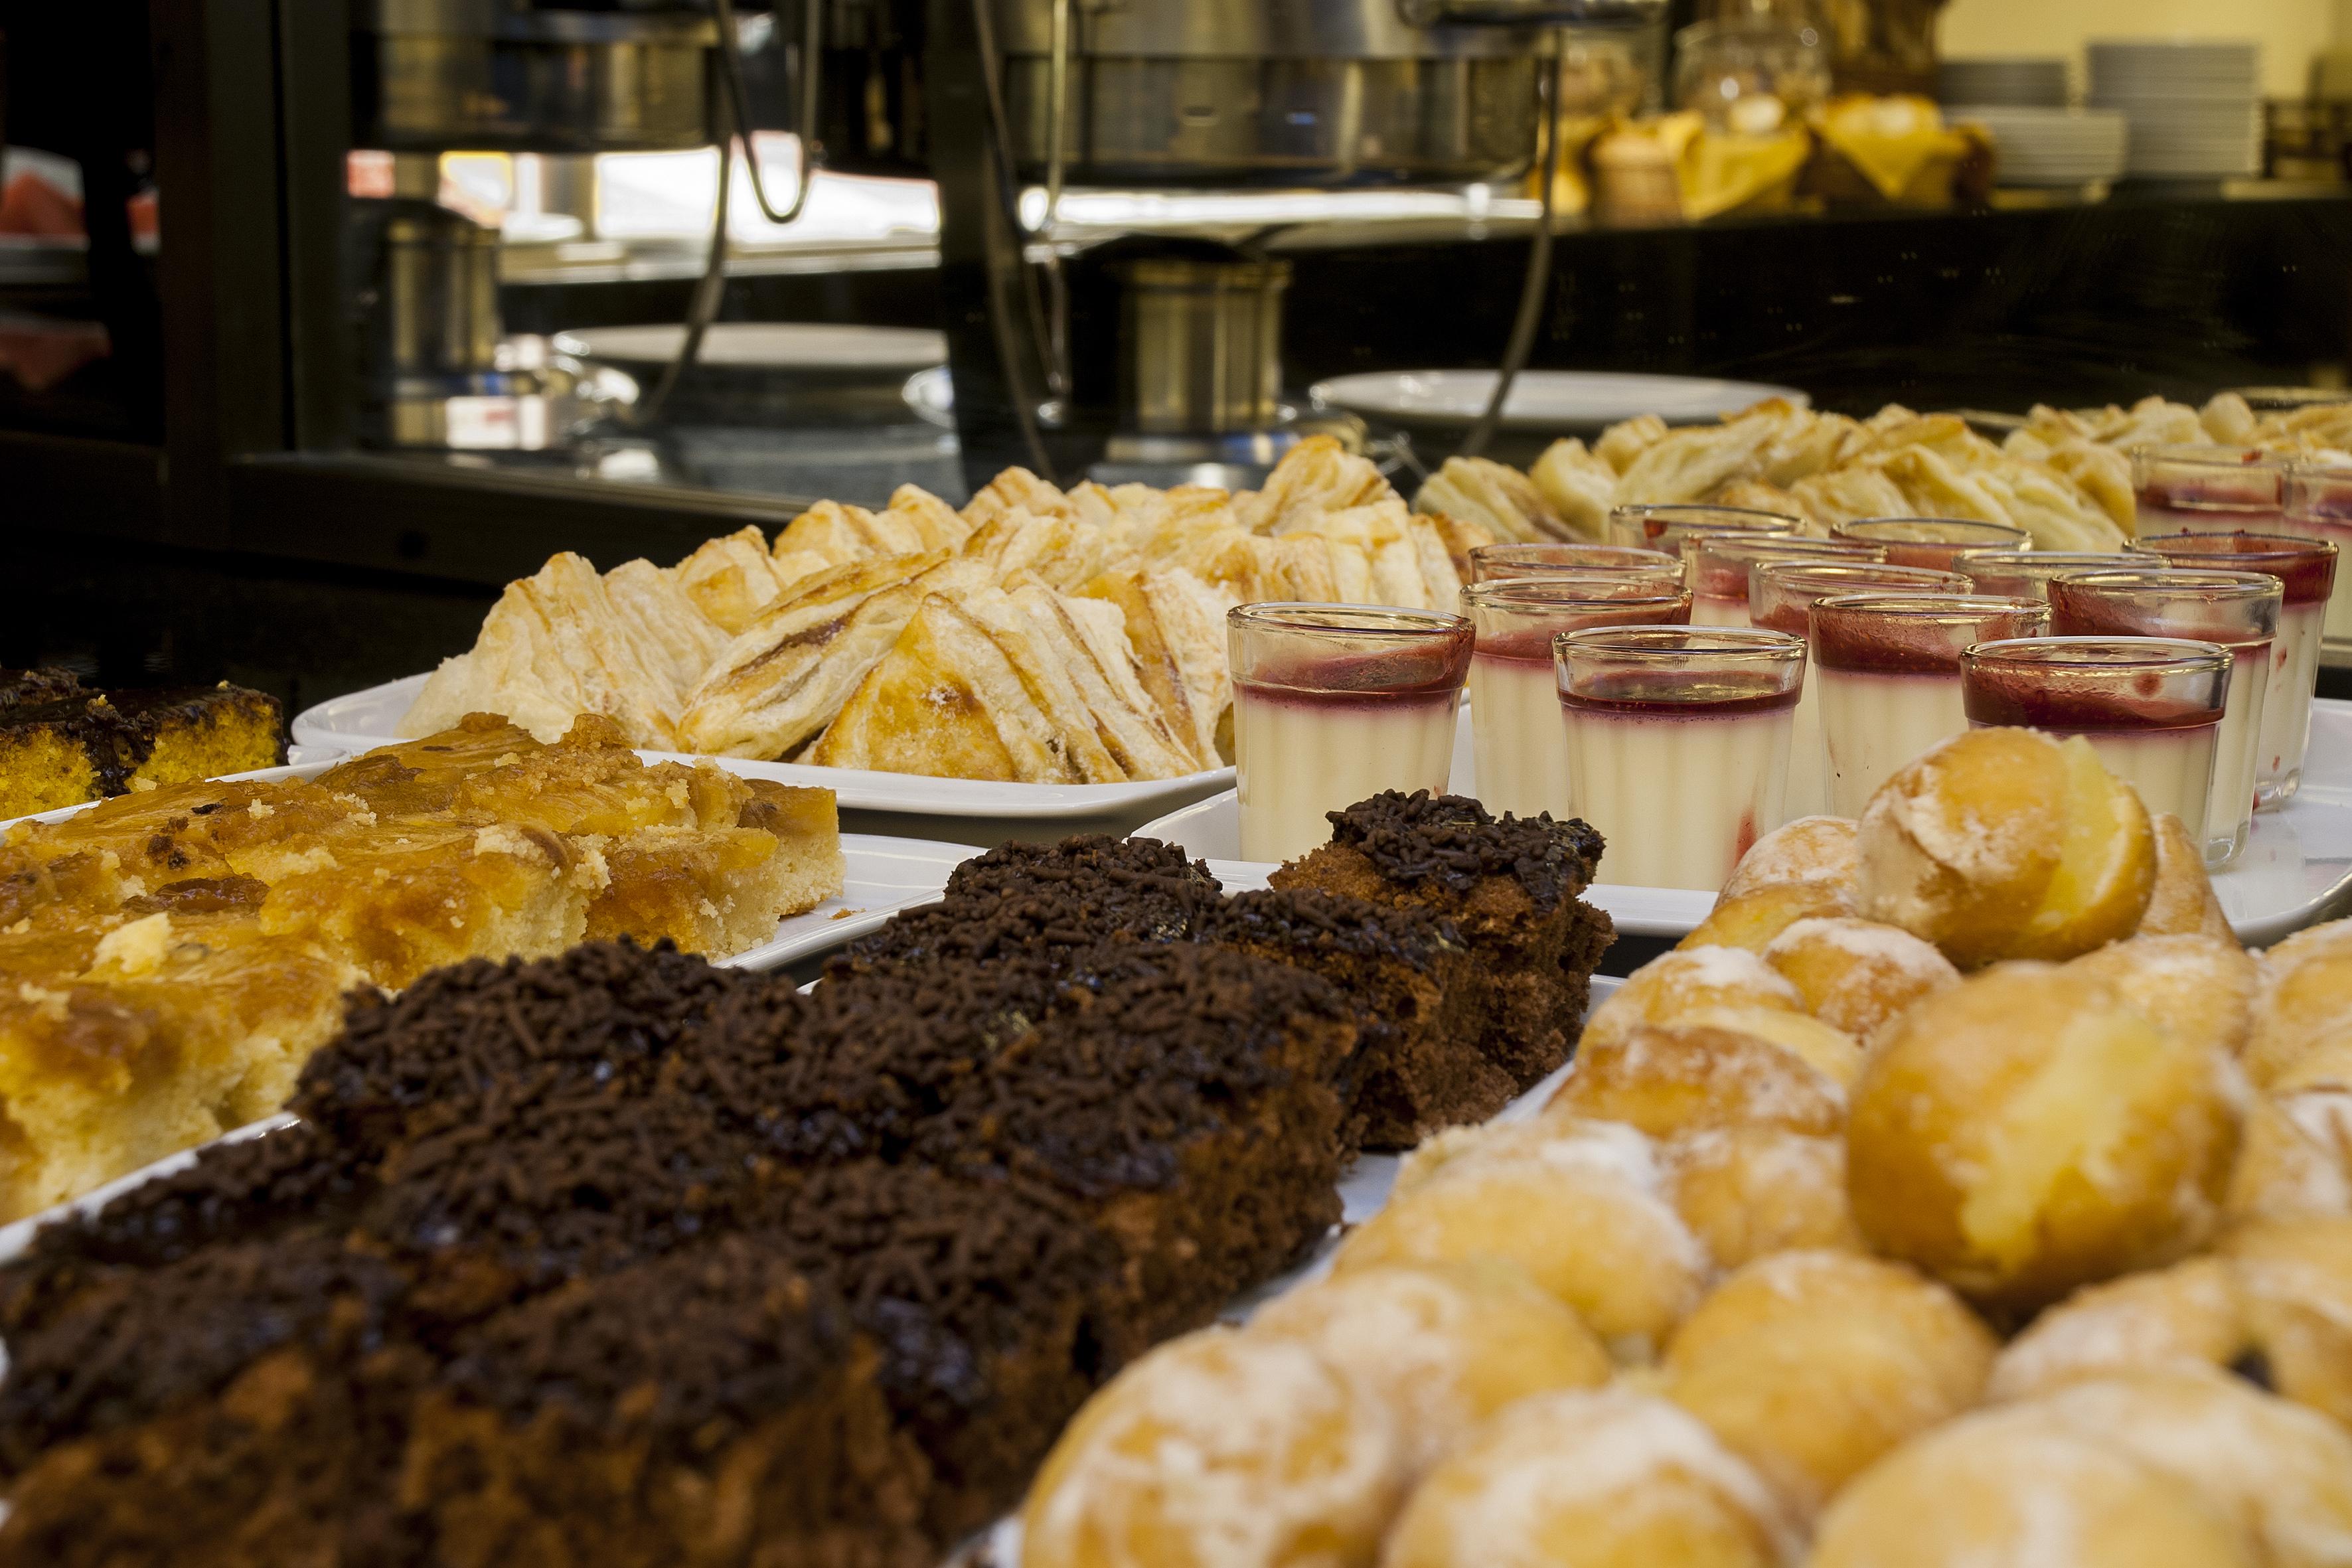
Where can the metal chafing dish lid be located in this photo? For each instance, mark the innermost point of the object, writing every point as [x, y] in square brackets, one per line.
[515, 23]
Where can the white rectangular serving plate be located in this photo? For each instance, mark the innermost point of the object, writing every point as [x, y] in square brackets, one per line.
[368, 719]
[880, 877]
[2296, 871]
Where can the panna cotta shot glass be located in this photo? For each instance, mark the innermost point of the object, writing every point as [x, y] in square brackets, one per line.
[1665, 526]
[2195, 488]
[2319, 506]
[1780, 597]
[1888, 666]
[1678, 743]
[1717, 564]
[2238, 610]
[1515, 726]
[2026, 574]
[1332, 704]
[2306, 569]
[2151, 707]
[1934, 543]
[1494, 563]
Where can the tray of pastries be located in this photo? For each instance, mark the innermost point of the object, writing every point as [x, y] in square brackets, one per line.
[175, 953]
[1036, 654]
[1957, 1192]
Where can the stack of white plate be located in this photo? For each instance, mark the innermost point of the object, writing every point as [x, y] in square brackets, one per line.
[2016, 82]
[2195, 107]
[2049, 146]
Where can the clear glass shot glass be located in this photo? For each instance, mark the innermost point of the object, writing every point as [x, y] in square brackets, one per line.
[2026, 574]
[1332, 704]
[1780, 597]
[2151, 707]
[1494, 563]
[1888, 666]
[1931, 542]
[2192, 489]
[1678, 743]
[2306, 569]
[1520, 749]
[2239, 610]
[1665, 526]
[1716, 566]
[2319, 506]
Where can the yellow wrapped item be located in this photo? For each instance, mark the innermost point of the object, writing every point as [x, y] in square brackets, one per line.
[1895, 150]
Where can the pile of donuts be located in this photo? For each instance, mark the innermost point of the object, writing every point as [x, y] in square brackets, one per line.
[1960, 1194]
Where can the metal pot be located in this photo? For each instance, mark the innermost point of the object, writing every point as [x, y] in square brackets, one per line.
[502, 74]
[1203, 344]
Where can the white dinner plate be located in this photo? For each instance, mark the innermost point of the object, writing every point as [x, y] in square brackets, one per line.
[2296, 870]
[372, 718]
[879, 876]
[766, 345]
[1565, 400]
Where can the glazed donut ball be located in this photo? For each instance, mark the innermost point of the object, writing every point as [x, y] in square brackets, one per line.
[1749, 1191]
[1606, 1480]
[2025, 1132]
[2295, 1279]
[1580, 1205]
[1857, 975]
[2182, 903]
[2304, 997]
[2006, 844]
[2017, 1488]
[1666, 1078]
[1442, 1345]
[1220, 1448]
[1754, 919]
[1810, 1366]
[1832, 1053]
[2188, 1315]
[1810, 849]
[2295, 1158]
[2281, 1473]
[2199, 987]
[1676, 984]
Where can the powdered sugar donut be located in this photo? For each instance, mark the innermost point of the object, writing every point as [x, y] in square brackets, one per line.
[1442, 1345]
[1676, 984]
[2182, 902]
[2199, 987]
[2188, 1315]
[2026, 1132]
[1856, 976]
[2304, 997]
[1666, 1078]
[1218, 1450]
[1605, 1479]
[1579, 1206]
[1810, 849]
[1749, 1191]
[2019, 1488]
[2282, 1472]
[1810, 1366]
[1755, 917]
[2295, 1279]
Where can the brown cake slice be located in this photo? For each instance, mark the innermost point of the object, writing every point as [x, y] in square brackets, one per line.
[81, 746]
[1510, 886]
[1415, 988]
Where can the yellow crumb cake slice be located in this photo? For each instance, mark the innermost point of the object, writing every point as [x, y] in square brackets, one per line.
[179, 1027]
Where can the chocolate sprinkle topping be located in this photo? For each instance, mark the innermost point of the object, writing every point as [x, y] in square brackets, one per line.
[1453, 841]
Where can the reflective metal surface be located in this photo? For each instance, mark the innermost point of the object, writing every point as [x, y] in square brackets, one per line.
[1205, 345]
[497, 75]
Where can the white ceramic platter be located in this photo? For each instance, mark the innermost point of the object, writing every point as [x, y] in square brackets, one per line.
[370, 717]
[1564, 400]
[880, 876]
[2296, 870]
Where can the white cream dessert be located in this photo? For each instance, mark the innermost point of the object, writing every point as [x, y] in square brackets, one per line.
[1780, 598]
[1683, 767]
[1332, 704]
[1517, 737]
[1888, 666]
[1718, 567]
[2151, 707]
[2306, 569]
[2238, 611]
